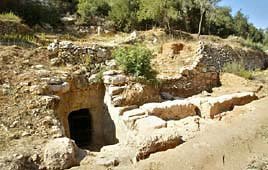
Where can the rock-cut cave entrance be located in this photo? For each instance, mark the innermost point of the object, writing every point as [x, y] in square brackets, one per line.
[80, 126]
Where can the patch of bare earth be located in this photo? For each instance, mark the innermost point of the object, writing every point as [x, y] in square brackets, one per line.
[238, 142]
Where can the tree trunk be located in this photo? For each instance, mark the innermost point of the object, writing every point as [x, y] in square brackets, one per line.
[200, 24]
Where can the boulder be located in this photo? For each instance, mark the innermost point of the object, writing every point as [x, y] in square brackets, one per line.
[166, 96]
[131, 116]
[158, 140]
[65, 44]
[149, 123]
[62, 153]
[115, 79]
[62, 88]
[138, 94]
[115, 90]
[171, 110]
[217, 105]
[112, 72]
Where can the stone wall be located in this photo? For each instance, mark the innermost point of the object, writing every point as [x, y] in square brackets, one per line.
[204, 73]
[66, 53]
[217, 55]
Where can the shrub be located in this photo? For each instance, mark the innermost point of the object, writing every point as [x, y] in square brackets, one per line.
[89, 8]
[33, 12]
[9, 17]
[135, 60]
[18, 39]
[123, 13]
[238, 68]
[251, 44]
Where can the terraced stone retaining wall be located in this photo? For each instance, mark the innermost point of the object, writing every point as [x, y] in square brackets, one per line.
[204, 73]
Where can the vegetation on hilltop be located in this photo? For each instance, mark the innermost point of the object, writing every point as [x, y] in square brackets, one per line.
[193, 16]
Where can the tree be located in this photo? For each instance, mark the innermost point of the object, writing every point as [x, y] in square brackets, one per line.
[36, 11]
[205, 6]
[241, 24]
[90, 8]
[160, 12]
[265, 40]
[256, 35]
[220, 22]
[123, 13]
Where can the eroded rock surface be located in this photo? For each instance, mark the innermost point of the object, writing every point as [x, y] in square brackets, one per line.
[62, 153]
[217, 105]
[159, 140]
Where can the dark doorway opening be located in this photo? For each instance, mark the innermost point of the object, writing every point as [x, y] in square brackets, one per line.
[80, 125]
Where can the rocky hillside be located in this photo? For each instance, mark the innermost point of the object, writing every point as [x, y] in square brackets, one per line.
[50, 94]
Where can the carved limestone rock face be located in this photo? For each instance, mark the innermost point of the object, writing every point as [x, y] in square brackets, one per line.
[62, 153]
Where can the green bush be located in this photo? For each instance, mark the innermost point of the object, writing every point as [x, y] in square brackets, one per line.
[33, 12]
[17, 39]
[251, 44]
[238, 68]
[9, 17]
[90, 8]
[135, 60]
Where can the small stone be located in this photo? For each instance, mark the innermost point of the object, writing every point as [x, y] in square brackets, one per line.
[63, 88]
[25, 134]
[115, 80]
[107, 162]
[14, 124]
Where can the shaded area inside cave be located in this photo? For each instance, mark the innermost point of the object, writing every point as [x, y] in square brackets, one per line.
[80, 126]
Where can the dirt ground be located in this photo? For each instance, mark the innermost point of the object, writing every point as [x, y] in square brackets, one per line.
[238, 142]
[233, 143]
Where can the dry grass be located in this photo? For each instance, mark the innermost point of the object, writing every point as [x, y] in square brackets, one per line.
[9, 17]
[170, 65]
[239, 69]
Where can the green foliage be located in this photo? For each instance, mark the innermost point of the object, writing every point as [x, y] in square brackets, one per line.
[251, 44]
[158, 11]
[241, 24]
[10, 16]
[265, 40]
[135, 60]
[99, 76]
[89, 8]
[194, 16]
[37, 12]
[220, 22]
[18, 39]
[124, 14]
[238, 68]
[86, 60]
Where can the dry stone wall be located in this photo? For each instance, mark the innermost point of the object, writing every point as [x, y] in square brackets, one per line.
[94, 57]
[218, 55]
[204, 73]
